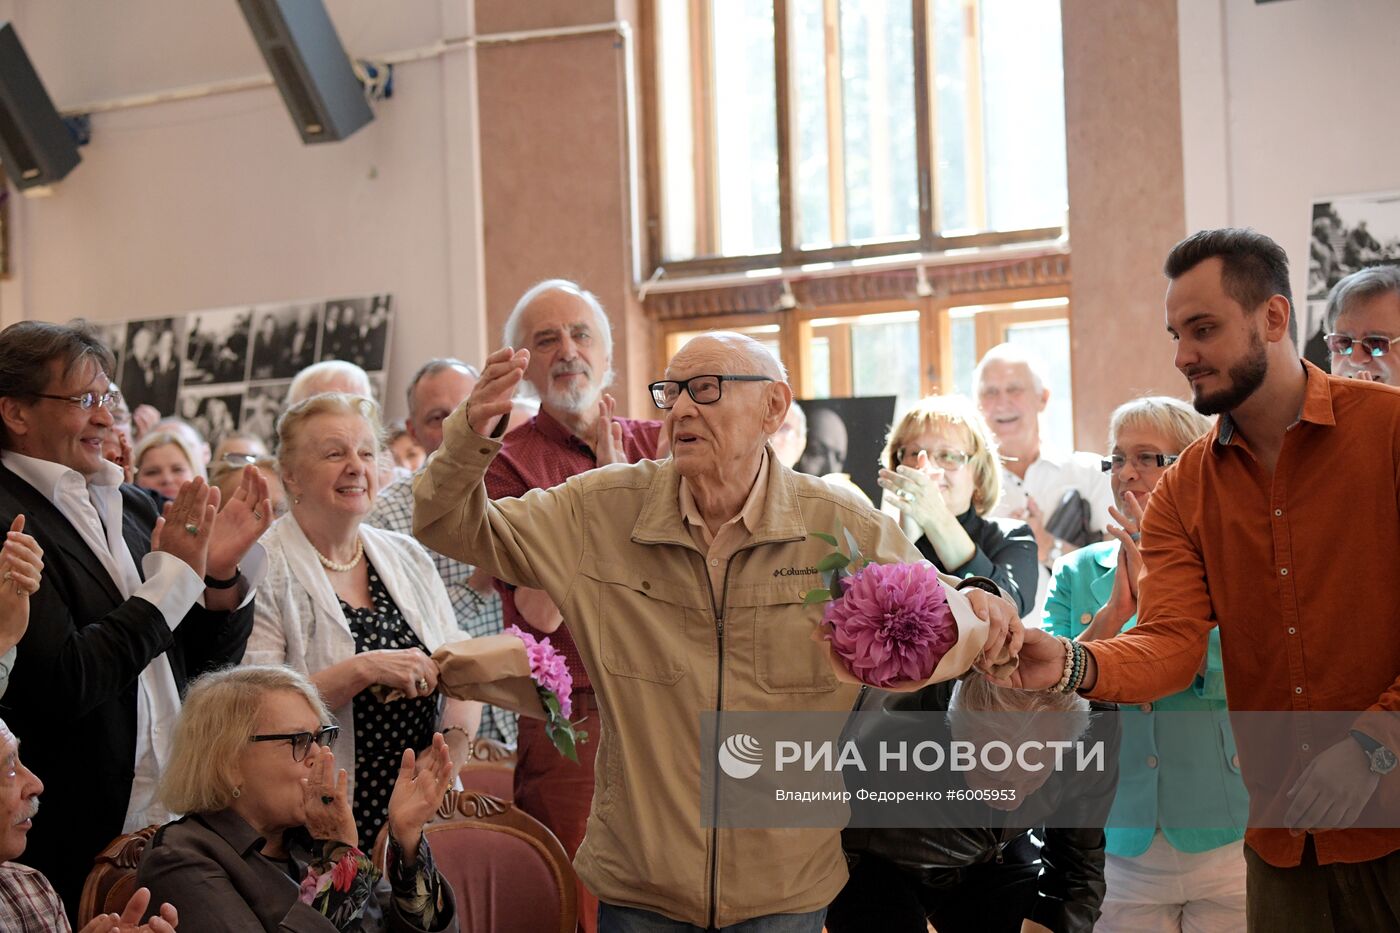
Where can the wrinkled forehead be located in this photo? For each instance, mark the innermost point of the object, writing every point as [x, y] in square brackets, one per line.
[705, 355]
[558, 309]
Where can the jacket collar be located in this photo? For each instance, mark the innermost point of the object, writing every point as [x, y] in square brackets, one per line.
[233, 829]
[660, 520]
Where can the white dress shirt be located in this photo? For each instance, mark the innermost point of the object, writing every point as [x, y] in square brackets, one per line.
[1047, 480]
[94, 509]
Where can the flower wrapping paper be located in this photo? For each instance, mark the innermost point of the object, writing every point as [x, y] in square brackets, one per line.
[494, 669]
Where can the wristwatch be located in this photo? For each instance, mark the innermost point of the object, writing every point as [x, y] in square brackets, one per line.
[1382, 759]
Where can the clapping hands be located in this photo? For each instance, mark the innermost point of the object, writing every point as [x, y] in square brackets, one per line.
[21, 567]
[418, 792]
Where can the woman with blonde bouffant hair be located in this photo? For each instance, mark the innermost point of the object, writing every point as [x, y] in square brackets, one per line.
[940, 472]
[251, 769]
[358, 609]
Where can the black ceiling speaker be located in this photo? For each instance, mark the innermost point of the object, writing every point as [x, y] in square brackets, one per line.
[310, 67]
[35, 146]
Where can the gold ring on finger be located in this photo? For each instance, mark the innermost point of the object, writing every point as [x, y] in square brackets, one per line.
[422, 685]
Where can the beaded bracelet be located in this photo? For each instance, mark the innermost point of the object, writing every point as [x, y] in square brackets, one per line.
[1069, 666]
[1076, 676]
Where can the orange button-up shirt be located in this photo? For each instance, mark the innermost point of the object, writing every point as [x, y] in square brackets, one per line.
[1301, 572]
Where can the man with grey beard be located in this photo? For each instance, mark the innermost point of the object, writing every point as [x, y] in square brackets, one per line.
[570, 343]
[28, 903]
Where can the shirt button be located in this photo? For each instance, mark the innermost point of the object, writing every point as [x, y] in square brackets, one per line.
[1278, 513]
[1086, 618]
[1306, 746]
[1297, 689]
[1292, 630]
[1283, 570]
[1152, 761]
[714, 561]
[646, 585]
[1146, 707]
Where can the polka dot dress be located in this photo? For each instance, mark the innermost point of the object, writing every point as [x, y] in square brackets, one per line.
[383, 730]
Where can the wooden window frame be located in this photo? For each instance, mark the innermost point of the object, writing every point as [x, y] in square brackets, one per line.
[789, 254]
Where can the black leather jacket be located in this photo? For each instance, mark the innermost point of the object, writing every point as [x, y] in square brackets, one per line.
[1071, 882]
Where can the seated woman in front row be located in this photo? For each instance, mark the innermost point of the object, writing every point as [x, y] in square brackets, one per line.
[250, 768]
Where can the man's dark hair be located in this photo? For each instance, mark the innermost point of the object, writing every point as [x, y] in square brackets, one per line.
[27, 350]
[1255, 267]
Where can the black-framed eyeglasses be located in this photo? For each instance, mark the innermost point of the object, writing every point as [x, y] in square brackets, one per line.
[1373, 344]
[108, 400]
[946, 459]
[1142, 461]
[301, 741]
[704, 390]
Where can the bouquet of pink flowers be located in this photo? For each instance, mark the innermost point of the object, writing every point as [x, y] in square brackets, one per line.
[893, 626]
[518, 672]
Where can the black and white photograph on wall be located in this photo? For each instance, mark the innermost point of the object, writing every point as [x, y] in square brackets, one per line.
[284, 339]
[262, 404]
[213, 411]
[845, 437]
[1349, 233]
[151, 370]
[357, 330]
[113, 336]
[216, 348]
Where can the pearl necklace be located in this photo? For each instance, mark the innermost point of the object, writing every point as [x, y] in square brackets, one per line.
[346, 567]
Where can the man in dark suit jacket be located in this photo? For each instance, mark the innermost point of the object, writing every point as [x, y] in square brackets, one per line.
[130, 608]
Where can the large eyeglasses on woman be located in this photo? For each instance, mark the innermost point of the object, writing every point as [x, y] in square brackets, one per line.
[1142, 461]
[108, 400]
[704, 390]
[946, 460]
[301, 741]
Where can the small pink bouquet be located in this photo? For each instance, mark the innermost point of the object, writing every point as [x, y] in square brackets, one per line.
[518, 672]
[894, 626]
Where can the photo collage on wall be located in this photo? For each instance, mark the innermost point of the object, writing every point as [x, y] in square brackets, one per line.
[229, 369]
[1348, 234]
[845, 437]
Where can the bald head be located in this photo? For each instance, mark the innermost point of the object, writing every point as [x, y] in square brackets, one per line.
[738, 354]
[719, 442]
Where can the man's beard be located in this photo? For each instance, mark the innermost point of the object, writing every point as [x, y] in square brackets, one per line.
[1246, 377]
[578, 398]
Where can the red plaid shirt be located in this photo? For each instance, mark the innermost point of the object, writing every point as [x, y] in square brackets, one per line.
[28, 903]
[541, 454]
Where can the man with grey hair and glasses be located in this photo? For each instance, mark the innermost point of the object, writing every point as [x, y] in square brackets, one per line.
[436, 389]
[1363, 325]
[682, 584]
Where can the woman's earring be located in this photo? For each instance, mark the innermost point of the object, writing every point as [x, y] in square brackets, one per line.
[237, 792]
[296, 500]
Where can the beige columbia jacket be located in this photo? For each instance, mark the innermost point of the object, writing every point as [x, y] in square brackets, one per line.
[610, 548]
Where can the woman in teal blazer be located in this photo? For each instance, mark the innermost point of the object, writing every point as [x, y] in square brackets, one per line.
[1175, 856]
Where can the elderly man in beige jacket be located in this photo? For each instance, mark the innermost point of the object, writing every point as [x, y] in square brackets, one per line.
[682, 583]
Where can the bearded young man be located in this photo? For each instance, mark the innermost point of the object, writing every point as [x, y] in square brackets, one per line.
[1282, 527]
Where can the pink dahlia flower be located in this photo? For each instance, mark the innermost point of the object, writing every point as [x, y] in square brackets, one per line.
[892, 624]
[548, 668]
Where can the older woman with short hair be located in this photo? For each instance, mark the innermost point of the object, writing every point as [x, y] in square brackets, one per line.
[164, 461]
[356, 608]
[250, 770]
[941, 472]
[1175, 849]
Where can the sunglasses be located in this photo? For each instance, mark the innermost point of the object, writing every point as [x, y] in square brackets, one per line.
[1373, 344]
[301, 741]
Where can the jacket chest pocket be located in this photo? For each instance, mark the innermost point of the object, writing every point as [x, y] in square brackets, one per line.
[785, 658]
[644, 624]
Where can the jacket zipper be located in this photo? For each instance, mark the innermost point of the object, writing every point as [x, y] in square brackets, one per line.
[719, 609]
